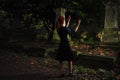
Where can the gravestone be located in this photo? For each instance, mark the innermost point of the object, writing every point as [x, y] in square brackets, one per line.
[110, 31]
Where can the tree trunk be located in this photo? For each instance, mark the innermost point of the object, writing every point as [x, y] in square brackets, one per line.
[59, 12]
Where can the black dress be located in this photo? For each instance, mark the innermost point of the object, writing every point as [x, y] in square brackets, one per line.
[65, 53]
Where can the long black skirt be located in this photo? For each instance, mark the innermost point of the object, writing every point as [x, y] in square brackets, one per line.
[65, 53]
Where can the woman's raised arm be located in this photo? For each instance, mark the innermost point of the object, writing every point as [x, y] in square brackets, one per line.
[78, 24]
[68, 21]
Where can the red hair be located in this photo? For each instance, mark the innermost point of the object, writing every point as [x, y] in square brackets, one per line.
[60, 22]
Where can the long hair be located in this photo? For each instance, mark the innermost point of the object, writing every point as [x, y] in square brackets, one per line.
[60, 22]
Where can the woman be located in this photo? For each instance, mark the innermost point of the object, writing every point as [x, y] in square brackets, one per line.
[65, 53]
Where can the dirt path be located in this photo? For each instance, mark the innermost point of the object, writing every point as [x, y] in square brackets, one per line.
[16, 66]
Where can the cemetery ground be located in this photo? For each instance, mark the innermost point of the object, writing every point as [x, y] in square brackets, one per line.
[17, 62]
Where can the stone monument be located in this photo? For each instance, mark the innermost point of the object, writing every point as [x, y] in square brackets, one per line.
[110, 31]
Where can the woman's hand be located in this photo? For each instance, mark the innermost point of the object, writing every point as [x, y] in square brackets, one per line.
[78, 21]
[69, 18]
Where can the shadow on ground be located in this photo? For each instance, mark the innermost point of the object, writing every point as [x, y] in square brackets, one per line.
[34, 76]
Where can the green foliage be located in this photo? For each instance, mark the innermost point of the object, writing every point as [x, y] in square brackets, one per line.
[79, 52]
[4, 20]
[4, 25]
[104, 73]
[100, 73]
[86, 70]
[30, 13]
[75, 3]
